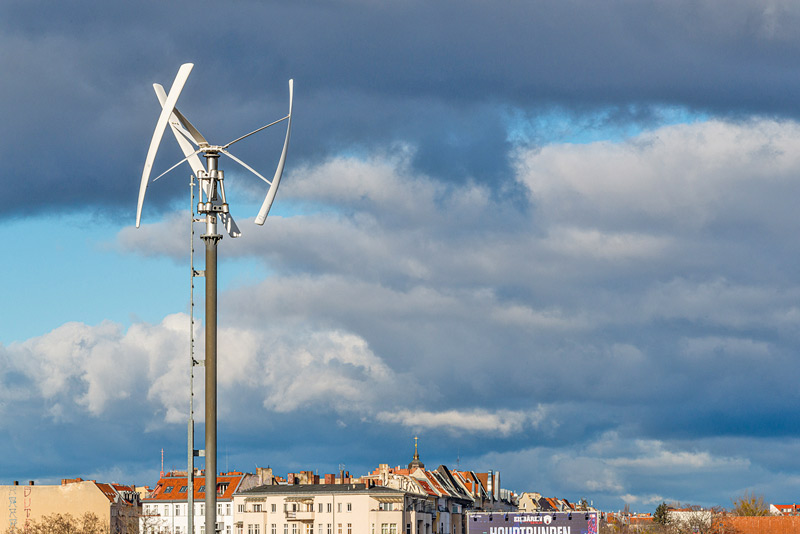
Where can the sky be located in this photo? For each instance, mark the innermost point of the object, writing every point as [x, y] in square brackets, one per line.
[554, 239]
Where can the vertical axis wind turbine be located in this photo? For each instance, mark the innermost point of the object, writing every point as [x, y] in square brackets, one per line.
[211, 204]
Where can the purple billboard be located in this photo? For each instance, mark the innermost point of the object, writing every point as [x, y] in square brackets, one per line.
[536, 523]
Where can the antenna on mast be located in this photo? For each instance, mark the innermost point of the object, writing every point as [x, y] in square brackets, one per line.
[212, 204]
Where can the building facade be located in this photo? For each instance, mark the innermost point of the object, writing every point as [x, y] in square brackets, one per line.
[332, 509]
[116, 505]
[166, 510]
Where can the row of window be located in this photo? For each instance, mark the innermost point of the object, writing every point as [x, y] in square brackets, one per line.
[295, 507]
[221, 487]
[180, 509]
[255, 528]
[181, 530]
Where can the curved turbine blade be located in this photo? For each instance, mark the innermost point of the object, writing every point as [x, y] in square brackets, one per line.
[276, 180]
[186, 147]
[161, 125]
[198, 138]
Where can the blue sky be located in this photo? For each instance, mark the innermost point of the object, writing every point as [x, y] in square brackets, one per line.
[551, 239]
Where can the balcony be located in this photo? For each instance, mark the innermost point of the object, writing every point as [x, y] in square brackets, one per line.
[299, 515]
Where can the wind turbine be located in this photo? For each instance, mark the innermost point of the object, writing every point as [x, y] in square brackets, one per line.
[212, 204]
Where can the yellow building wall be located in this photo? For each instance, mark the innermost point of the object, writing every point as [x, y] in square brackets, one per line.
[20, 505]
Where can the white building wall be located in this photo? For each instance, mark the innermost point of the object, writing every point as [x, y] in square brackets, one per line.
[323, 514]
[170, 517]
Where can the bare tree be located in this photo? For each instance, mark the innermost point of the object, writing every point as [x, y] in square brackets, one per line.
[750, 504]
[88, 523]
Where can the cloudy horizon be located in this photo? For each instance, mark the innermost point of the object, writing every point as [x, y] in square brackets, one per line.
[550, 239]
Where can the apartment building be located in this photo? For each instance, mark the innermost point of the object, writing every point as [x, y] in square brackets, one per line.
[117, 505]
[166, 510]
[349, 508]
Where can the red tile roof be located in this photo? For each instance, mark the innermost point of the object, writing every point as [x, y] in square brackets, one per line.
[174, 488]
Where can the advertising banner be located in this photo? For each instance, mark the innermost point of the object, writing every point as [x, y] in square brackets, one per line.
[527, 523]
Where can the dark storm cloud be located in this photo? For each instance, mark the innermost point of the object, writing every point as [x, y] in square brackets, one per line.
[442, 77]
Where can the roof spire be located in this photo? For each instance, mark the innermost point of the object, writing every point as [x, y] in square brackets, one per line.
[415, 463]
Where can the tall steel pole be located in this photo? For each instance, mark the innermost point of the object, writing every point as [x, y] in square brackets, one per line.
[211, 238]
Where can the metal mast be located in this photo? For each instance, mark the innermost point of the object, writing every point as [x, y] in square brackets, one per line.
[214, 204]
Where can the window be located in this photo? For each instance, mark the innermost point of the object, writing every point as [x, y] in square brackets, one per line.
[408, 528]
[240, 508]
[202, 510]
[373, 528]
[227, 529]
[239, 529]
[219, 509]
[329, 511]
[320, 507]
[202, 529]
[183, 489]
[310, 528]
[177, 511]
[221, 487]
[228, 509]
[274, 528]
[286, 528]
[349, 507]
[393, 528]
[168, 489]
[249, 528]
[166, 509]
[256, 529]
[338, 507]
[202, 489]
[349, 528]
[384, 528]
[329, 529]
[257, 507]
[273, 507]
[178, 529]
[294, 528]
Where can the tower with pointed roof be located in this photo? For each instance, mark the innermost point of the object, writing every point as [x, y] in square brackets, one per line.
[415, 463]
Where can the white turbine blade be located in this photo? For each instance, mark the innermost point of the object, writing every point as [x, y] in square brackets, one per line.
[276, 180]
[186, 147]
[161, 125]
[198, 138]
[230, 225]
[243, 164]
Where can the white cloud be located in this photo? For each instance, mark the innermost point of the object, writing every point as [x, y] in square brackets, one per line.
[683, 177]
[295, 371]
[502, 422]
[97, 367]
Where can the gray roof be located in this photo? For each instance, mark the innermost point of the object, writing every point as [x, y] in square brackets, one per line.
[299, 489]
